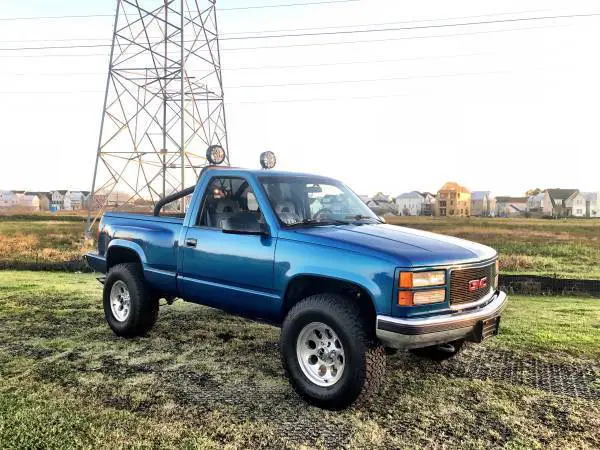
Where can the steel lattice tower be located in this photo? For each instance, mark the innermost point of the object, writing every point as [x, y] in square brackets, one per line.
[163, 104]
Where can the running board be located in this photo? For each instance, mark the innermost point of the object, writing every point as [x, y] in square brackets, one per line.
[102, 280]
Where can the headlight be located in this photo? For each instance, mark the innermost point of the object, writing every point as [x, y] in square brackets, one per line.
[408, 296]
[409, 280]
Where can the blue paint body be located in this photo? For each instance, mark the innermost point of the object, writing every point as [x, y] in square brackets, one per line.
[249, 275]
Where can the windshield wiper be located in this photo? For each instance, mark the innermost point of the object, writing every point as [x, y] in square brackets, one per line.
[361, 217]
[317, 222]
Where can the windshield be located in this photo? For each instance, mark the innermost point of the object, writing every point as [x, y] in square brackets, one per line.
[315, 201]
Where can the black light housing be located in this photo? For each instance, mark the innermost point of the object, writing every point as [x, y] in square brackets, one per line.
[215, 154]
[268, 160]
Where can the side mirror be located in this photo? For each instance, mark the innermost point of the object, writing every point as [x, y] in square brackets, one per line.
[244, 223]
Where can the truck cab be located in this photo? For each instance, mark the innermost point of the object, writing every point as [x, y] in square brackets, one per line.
[304, 253]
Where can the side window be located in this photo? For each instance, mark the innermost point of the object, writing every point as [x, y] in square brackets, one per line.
[226, 197]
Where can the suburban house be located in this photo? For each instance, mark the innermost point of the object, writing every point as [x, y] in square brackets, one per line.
[364, 198]
[483, 204]
[8, 199]
[453, 200]
[382, 204]
[415, 203]
[535, 204]
[59, 200]
[511, 206]
[29, 202]
[43, 198]
[78, 199]
[592, 204]
[564, 203]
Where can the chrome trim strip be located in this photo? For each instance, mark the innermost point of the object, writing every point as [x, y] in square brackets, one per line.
[481, 301]
[494, 307]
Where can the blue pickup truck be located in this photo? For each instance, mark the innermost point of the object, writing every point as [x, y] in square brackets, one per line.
[304, 253]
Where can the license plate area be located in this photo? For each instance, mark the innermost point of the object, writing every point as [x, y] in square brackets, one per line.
[486, 329]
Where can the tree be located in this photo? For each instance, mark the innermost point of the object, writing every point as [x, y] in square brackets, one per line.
[532, 192]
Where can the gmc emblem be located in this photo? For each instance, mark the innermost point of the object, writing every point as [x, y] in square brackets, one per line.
[478, 284]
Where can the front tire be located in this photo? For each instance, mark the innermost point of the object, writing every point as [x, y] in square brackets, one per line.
[328, 353]
[129, 307]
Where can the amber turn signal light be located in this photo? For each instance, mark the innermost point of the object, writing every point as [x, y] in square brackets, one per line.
[406, 280]
[405, 298]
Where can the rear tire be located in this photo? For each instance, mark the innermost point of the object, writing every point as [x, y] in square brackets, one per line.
[317, 328]
[441, 352]
[129, 307]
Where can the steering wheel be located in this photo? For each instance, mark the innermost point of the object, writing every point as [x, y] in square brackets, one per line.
[322, 214]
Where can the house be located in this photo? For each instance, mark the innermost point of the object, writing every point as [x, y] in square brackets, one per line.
[28, 202]
[483, 204]
[59, 200]
[535, 204]
[8, 199]
[44, 199]
[592, 204]
[415, 203]
[364, 198]
[78, 199]
[453, 200]
[382, 204]
[511, 206]
[564, 203]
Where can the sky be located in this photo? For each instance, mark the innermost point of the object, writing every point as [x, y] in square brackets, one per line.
[504, 107]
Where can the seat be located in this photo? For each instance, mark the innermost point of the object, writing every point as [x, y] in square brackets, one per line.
[286, 210]
[224, 210]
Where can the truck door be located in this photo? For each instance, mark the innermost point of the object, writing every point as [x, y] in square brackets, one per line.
[229, 271]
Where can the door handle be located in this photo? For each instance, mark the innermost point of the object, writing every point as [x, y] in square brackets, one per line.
[190, 242]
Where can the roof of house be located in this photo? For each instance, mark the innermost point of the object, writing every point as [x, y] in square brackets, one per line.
[411, 194]
[453, 186]
[503, 199]
[480, 195]
[561, 194]
[61, 192]
[38, 193]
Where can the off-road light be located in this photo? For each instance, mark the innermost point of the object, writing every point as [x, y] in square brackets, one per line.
[267, 160]
[215, 154]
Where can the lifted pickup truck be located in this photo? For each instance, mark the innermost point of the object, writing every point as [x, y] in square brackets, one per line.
[302, 252]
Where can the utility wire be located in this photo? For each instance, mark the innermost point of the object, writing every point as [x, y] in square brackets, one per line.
[329, 33]
[313, 44]
[331, 27]
[237, 8]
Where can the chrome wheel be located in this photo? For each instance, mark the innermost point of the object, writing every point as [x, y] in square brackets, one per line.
[320, 354]
[120, 301]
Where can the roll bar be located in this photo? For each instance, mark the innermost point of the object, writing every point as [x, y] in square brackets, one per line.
[171, 198]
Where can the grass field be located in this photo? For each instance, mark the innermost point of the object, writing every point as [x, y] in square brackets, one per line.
[567, 248]
[205, 379]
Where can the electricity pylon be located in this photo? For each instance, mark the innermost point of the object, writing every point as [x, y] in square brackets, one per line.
[163, 104]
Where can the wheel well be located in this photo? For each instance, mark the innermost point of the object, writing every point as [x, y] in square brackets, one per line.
[305, 286]
[120, 255]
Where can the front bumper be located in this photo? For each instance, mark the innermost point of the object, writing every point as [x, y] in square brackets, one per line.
[407, 333]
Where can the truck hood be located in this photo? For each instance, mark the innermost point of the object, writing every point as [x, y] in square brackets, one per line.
[407, 247]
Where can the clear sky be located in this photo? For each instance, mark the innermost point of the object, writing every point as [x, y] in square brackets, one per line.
[496, 106]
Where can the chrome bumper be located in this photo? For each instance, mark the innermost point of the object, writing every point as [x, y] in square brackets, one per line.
[407, 333]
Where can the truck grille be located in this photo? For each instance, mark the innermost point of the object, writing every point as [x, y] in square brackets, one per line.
[459, 283]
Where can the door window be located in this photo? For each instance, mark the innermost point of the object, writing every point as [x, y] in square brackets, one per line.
[227, 197]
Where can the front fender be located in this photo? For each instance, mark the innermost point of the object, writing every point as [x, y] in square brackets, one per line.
[374, 275]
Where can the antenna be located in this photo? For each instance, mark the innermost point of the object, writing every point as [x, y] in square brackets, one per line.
[163, 105]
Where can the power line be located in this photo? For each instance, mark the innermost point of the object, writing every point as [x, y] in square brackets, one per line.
[315, 83]
[237, 8]
[438, 19]
[288, 66]
[372, 30]
[313, 44]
